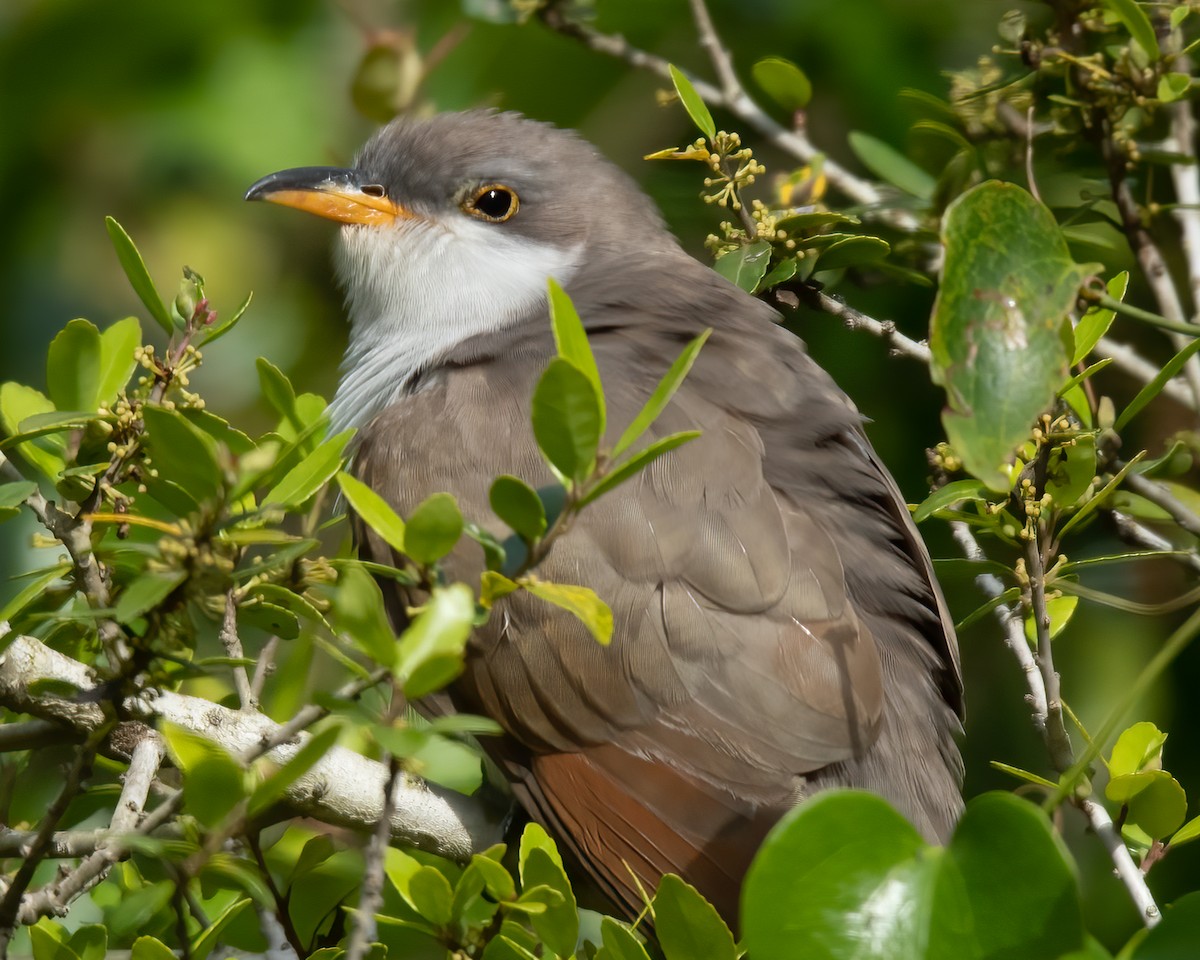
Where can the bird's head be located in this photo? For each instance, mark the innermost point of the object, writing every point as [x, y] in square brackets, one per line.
[451, 227]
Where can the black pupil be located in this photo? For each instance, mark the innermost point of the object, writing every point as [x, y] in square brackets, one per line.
[494, 203]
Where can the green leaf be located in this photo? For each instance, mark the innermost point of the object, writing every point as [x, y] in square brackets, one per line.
[952, 494]
[781, 273]
[518, 505]
[430, 652]
[619, 942]
[17, 404]
[889, 164]
[204, 941]
[16, 493]
[1188, 832]
[357, 612]
[811, 887]
[566, 419]
[270, 618]
[139, 278]
[433, 529]
[222, 327]
[687, 925]
[570, 338]
[431, 895]
[304, 759]
[311, 473]
[998, 323]
[1059, 610]
[73, 367]
[1138, 745]
[48, 941]
[373, 510]
[662, 394]
[220, 430]
[146, 593]
[541, 866]
[852, 252]
[1095, 323]
[583, 602]
[182, 453]
[1154, 799]
[1130, 13]
[90, 942]
[449, 763]
[213, 781]
[30, 592]
[636, 464]
[745, 266]
[1008, 887]
[692, 103]
[278, 390]
[1155, 386]
[117, 346]
[1176, 936]
[783, 82]
[1173, 86]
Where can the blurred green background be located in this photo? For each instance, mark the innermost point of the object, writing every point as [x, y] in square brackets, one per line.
[162, 114]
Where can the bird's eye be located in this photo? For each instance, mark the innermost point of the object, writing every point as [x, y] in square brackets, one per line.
[494, 202]
[373, 190]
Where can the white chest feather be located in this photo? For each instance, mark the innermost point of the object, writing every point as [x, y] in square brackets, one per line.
[417, 290]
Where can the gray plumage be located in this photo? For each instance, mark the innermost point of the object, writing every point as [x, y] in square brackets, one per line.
[777, 626]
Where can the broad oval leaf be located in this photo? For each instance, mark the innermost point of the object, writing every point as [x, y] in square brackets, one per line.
[746, 265]
[837, 873]
[213, 781]
[430, 652]
[1009, 873]
[783, 82]
[952, 494]
[1131, 14]
[433, 529]
[852, 252]
[73, 367]
[517, 504]
[687, 925]
[1175, 938]
[998, 323]
[147, 592]
[1139, 746]
[566, 419]
[182, 453]
[117, 346]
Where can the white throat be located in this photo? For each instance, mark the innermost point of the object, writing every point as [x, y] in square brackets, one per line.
[417, 290]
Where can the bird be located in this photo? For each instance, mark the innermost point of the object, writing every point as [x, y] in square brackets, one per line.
[778, 629]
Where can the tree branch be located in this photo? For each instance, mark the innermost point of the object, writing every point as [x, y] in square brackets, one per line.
[1099, 820]
[343, 788]
[734, 99]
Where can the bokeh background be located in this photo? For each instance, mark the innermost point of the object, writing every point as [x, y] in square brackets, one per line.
[161, 114]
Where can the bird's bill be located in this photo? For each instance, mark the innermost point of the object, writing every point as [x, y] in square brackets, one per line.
[329, 192]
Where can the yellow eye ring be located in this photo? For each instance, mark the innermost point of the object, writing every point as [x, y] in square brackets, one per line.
[493, 202]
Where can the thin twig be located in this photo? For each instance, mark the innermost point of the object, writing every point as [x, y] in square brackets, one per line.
[1160, 496]
[738, 102]
[233, 649]
[55, 898]
[1057, 739]
[1128, 872]
[1186, 178]
[1014, 635]
[855, 320]
[32, 734]
[80, 769]
[371, 898]
[263, 668]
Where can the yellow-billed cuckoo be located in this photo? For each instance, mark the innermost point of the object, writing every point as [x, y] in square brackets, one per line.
[777, 626]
